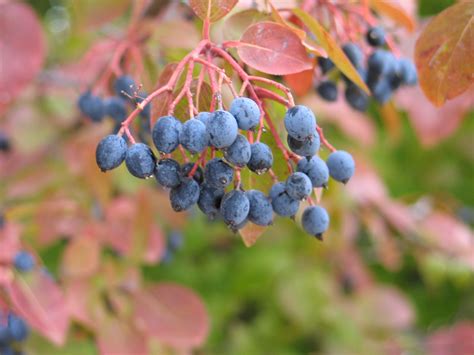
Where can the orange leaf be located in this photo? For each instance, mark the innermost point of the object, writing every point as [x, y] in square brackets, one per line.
[117, 336]
[250, 233]
[273, 49]
[301, 83]
[444, 53]
[332, 48]
[81, 257]
[392, 119]
[395, 12]
[212, 9]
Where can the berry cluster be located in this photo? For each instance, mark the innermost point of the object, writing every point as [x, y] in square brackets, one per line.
[208, 184]
[383, 73]
[13, 329]
[116, 107]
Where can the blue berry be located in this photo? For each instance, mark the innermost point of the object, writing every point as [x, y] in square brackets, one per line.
[91, 106]
[175, 240]
[341, 166]
[356, 98]
[315, 221]
[110, 152]
[24, 261]
[354, 53]
[300, 122]
[316, 169]
[407, 72]
[5, 144]
[305, 148]
[210, 200]
[124, 84]
[115, 107]
[282, 203]
[218, 173]
[234, 208]
[298, 186]
[261, 211]
[166, 132]
[168, 173]
[222, 128]
[140, 160]
[5, 335]
[198, 175]
[204, 117]
[325, 64]
[380, 62]
[185, 195]
[382, 90]
[376, 36]
[18, 329]
[328, 90]
[246, 112]
[239, 152]
[194, 136]
[261, 158]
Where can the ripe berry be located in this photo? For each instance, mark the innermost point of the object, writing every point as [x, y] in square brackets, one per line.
[261, 158]
[325, 64]
[194, 136]
[140, 160]
[298, 186]
[235, 207]
[18, 328]
[305, 148]
[222, 128]
[167, 173]
[300, 122]
[354, 53]
[261, 211]
[239, 152]
[166, 133]
[115, 107]
[110, 152]
[185, 195]
[124, 84]
[91, 106]
[246, 112]
[356, 98]
[198, 175]
[380, 62]
[218, 173]
[341, 166]
[382, 90]
[376, 36]
[316, 169]
[282, 203]
[407, 72]
[5, 144]
[204, 117]
[24, 261]
[210, 200]
[327, 90]
[315, 221]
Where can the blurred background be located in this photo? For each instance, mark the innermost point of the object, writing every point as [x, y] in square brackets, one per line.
[394, 273]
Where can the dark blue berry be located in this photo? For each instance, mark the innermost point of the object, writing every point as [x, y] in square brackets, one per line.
[246, 112]
[354, 53]
[140, 160]
[185, 195]
[91, 106]
[234, 208]
[356, 98]
[298, 186]
[198, 175]
[239, 152]
[328, 90]
[218, 173]
[222, 128]
[24, 261]
[168, 173]
[316, 169]
[315, 221]
[300, 122]
[261, 158]
[376, 36]
[305, 148]
[261, 211]
[341, 166]
[194, 136]
[166, 132]
[210, 200]
[325, 64]
[18, 329]
[124, 86]
[115, 107]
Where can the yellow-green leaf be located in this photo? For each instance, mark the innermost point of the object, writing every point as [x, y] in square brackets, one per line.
[444, 53]
[393, 10]
[332, 48]
[212, 9]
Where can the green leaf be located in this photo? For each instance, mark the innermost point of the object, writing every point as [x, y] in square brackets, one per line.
[332, 48]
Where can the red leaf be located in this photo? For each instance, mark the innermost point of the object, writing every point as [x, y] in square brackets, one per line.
[301, 83]
[22, 49]
[79, 295]
[455, 340]
[251, 233]
[9, 242]
[118, 337]
[172, 313]
[273, 49]
[443, 53]
[81, 257]
[38, 299]
[212, 9]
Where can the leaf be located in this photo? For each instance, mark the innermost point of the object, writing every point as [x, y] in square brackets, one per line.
[236, 24]
[251, 233]
[392, 119]
[117, 336]
[173, 314]
[22, 48]
[301, 83]
[38, 299]
[453, 340]
[332, 48]
[443, 53]
[212, 9]
[393, 10]
[92, 13]
[81, 257]
[159, 105]
[273, 49]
